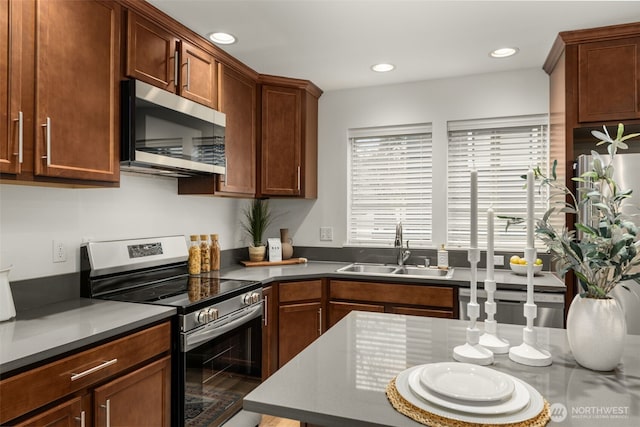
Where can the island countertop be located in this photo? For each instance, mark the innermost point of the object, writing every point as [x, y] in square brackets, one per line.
[340, 378]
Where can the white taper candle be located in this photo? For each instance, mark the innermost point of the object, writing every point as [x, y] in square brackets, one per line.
[474, 208]
[490, 244]
[530, 211]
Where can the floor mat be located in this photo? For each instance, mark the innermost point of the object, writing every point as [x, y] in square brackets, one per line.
[202, 407]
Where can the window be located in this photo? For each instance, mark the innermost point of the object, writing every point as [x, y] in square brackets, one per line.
[502, 150]
[390, 180]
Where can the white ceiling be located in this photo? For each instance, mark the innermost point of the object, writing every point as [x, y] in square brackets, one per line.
[334, 42]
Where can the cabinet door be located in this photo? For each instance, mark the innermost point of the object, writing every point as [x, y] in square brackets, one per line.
[269, 334]
[77, 89]
[140, 398]
[67, 414]
[338, 309]
[152, 53]
[198, 76]
[608, 80]
[281, 141]
[11, 116]
[298, 326]
[237, 99]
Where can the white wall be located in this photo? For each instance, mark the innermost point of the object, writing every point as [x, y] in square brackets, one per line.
[32, 217]
[437, 101]
[144, 206]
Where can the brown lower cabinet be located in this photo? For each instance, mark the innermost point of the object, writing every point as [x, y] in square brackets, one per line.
[415, 300]
[300, 317]
[298, 312]
[127, 381]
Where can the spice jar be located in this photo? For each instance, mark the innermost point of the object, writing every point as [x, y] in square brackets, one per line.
[215, 253]
[205, 253]
[194, 255]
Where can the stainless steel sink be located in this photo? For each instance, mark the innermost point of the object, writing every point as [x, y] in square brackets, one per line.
[366, 269]
[425, 272]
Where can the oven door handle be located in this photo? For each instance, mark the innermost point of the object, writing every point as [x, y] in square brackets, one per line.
[210, 332]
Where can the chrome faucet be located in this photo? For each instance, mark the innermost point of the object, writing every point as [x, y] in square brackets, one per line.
[403, 255]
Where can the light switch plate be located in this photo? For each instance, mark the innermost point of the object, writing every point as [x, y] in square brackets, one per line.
[326, 233]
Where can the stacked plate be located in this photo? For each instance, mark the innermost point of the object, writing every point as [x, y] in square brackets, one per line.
[469, 393]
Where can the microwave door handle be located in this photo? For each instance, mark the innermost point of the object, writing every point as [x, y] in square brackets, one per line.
[194, 339]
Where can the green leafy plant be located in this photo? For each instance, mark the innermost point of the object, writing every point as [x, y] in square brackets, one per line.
[607, 252]
[257, 217]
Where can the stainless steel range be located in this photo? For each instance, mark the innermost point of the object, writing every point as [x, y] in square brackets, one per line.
[217, 333]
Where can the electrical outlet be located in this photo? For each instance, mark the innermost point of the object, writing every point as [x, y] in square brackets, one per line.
[326, 233]
[59, 251]
[498, 260]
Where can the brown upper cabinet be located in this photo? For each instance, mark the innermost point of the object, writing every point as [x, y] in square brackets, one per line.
[60, 127]
[608, 80]
[11, 114]
[158, 57]
[288, 155]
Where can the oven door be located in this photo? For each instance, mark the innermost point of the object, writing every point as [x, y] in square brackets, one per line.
[221, 367]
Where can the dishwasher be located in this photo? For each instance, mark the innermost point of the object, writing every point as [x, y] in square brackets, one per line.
[510, 306]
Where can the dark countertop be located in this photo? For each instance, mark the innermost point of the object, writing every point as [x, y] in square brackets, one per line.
[505, 279]
[41, 333]
[340, 379]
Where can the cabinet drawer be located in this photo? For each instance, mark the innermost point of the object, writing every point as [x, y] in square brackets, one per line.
[392, 293]
[32, 389]
[300, 291]
[411, 311]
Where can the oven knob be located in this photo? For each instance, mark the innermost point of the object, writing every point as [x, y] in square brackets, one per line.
[212, 314]
[251, 298]
[202, 317]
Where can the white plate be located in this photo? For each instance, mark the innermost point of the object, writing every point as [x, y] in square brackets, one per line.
[465, 381]
[535, 406]
[518, 400]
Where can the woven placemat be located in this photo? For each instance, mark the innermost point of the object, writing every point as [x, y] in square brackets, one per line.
[403, 406]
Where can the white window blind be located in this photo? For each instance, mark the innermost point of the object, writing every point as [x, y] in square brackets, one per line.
[390, 180]
[502, 150]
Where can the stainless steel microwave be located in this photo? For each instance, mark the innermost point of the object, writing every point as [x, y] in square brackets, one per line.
[165, 134]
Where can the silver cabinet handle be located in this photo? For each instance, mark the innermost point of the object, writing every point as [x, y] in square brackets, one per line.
[298, 178]
[320, 321]
[176, 70]
[20, 121]
[226, 171]
[81, 418]
[188, 73]
[107, 407]
[47, 126]
[265, 305]
[92, 370]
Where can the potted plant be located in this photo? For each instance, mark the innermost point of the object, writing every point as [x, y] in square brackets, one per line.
[605, 254]
[257, 218]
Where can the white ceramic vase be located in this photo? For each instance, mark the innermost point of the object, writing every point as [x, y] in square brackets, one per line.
[596, 331]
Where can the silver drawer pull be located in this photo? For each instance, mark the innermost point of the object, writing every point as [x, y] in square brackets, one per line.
[20, 121]
[47, 126]
[82, 419]
[107, 408]
[92, 370]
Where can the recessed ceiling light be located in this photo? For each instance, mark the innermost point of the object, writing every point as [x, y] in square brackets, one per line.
[222, 38]
[382, 68]
[504, 52]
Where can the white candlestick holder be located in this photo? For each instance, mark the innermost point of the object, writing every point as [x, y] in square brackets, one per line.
[490, 338]
[472, 351]
[528, 353]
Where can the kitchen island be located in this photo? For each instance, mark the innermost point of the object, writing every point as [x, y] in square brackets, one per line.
[340, 379]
